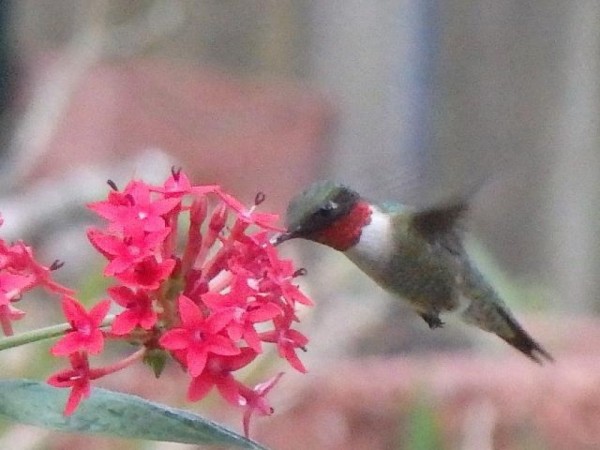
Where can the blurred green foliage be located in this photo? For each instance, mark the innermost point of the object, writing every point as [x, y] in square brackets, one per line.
[423, 430]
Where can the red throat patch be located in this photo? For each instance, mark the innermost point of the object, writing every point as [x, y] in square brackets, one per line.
[345, 232]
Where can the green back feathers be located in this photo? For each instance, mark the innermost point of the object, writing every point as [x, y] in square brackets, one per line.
[394, 207]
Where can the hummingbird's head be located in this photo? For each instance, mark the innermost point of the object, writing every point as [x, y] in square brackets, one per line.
[328, 213]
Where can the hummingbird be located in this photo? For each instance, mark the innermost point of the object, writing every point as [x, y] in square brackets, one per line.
[415, 254]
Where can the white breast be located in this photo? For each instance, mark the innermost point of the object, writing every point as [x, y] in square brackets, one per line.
[375, 245]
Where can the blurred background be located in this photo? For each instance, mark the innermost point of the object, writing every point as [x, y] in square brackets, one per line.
[412, 100]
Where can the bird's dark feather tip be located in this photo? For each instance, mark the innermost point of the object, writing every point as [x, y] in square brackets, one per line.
[522, 342]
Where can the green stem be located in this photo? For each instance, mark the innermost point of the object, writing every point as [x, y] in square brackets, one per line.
[42, 334]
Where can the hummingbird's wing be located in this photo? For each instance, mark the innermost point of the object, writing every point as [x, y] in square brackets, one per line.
[442, 225]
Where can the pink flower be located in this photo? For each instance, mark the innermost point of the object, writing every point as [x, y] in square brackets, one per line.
[256, 401]
[280, 275]
[217, 373]
[12, 285]
[11, 289]
[8, 314]
[249, 216]
[139, 212]
[244, 312]
[212, 301]
[287, 341]
[19, 273]
[147, 274]
[178, 185]
[139, 310]
[198, 336]
[85, 333]
[124, 253]
[18, 258]
[77, 378]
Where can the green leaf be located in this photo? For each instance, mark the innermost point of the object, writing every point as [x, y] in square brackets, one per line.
[111, 413]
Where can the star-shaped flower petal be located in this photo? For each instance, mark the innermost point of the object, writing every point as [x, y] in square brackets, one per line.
[77, 378]
[178, 184]
[138, 310]
[123, 253]
[249, 215]
[244, 309]
[19, 257]
[147, 274]
[198, 336]
[256, 402]
[142, 213]
[85, 333]
[281, 273]
[287, 340]
[217, 373]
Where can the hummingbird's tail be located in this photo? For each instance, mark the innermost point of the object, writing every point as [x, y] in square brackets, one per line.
[521, 340]
[487, 311]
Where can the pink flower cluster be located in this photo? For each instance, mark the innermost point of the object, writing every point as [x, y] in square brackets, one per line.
[197, 279]
[20, 273]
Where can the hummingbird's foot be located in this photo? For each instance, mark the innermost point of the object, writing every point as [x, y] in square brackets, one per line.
[433, 320]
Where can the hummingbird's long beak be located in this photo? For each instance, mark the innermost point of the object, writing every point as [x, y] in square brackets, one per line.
[285, 237]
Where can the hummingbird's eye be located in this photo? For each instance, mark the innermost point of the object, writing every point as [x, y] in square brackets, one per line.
[327, 209]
